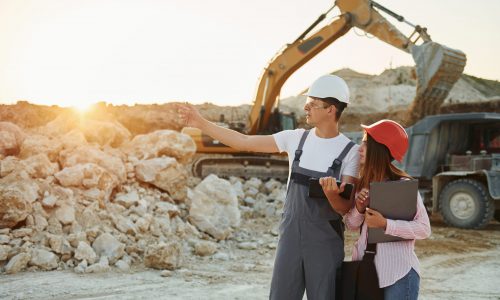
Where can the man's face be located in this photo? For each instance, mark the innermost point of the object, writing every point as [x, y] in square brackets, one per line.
[316, 111]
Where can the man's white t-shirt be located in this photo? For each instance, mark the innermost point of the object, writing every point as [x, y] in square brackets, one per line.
[318, 153]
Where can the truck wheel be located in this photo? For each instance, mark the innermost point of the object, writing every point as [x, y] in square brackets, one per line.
[465, 203]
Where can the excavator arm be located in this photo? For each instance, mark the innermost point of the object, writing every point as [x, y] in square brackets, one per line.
[437, 67]
[286, 62]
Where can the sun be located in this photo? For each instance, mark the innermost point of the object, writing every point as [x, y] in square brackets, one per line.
[82, 107]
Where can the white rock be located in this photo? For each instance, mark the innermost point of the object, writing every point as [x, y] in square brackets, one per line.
[271, 185]
[221, 256]
[161, 142]
[40, 222]
[165, 173]
[22, 232]
[49, 201]
[44, 259]
[238, 189]
[17, 263]
[109, 246]
[247, 245]
[65, 214]
[122, 266]
[167, 208]
[11, 139]
[127, 200]
[125, 225]
[59, 244]
[251, 192]
[249, 201]
[85, 252]
[252, 183]
[163, 256]
[81, 267]
[4, 252]
[100, 267]
[214, 207]
[4, 239]
[205, 248]
[18, 192]
[143, 223]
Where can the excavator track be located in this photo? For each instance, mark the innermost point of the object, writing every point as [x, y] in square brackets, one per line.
[438, 68]
[242, 166]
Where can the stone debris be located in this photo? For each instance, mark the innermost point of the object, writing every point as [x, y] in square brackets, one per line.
[214, 207]
[95, 200]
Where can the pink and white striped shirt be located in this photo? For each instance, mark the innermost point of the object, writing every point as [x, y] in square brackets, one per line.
[394, 259]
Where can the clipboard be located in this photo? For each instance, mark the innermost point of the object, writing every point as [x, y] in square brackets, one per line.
[316, 191]
[395, 200]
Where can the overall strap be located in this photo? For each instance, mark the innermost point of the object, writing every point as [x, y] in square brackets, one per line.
[334, 170]
[296, 160]
[298, 152]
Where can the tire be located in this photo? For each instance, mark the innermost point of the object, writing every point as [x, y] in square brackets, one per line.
[465, 203]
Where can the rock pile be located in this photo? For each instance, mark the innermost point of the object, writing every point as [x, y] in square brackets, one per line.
[94, 200]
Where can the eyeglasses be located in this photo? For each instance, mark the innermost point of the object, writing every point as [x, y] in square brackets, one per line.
[310, 105]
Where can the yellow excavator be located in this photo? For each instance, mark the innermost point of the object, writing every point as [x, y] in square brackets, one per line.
[437, 69]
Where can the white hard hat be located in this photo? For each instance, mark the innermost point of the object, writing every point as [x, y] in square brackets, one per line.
[329, 86]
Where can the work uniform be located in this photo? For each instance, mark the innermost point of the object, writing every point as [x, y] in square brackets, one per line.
[310, 247]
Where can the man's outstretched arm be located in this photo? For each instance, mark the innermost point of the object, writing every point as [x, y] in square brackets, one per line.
[253, 143]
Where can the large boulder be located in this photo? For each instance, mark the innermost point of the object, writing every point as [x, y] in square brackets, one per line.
[17, 263]
[87, 176]
[87, 154]
[37, 144]
[109, 133]
[163, 256]
[44, 259]
[214, 207]
[11, 139]
[165, 173]
[161, 143]
[39, 166]
[17, 193]
[107, 245]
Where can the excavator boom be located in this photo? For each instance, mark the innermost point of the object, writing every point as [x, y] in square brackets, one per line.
[437, 69]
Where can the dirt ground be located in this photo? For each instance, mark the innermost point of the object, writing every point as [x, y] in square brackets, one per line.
[456, 264]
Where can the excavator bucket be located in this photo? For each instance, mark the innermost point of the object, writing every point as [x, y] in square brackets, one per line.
[438, 68]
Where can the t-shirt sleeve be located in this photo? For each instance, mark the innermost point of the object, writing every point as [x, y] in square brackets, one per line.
[352, 163]
[283, 139]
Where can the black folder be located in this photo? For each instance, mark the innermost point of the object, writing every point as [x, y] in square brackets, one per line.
[395, 200]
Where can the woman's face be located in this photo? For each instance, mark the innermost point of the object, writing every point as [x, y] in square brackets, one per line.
[362, 151]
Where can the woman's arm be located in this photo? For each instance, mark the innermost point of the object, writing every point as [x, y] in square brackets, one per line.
[353, 219]
[418, 228]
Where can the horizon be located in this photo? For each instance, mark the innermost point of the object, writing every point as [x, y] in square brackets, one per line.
[119, 52]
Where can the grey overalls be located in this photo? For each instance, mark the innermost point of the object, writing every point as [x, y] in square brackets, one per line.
[311, 246]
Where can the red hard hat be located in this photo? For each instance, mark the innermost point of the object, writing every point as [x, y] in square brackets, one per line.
[390, 134]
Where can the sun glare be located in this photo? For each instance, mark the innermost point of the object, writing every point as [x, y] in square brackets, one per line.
[83, 107]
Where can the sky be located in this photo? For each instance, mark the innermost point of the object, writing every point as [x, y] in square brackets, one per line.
[75, 53]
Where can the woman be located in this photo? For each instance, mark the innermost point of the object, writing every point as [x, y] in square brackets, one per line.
[396, 263]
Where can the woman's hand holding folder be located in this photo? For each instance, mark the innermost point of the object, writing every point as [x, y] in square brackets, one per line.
[374, 219]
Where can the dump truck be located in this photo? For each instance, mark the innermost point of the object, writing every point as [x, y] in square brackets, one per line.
[456, 158]
[437, 69]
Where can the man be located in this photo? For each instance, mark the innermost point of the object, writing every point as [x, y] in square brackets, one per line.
[311, 246]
